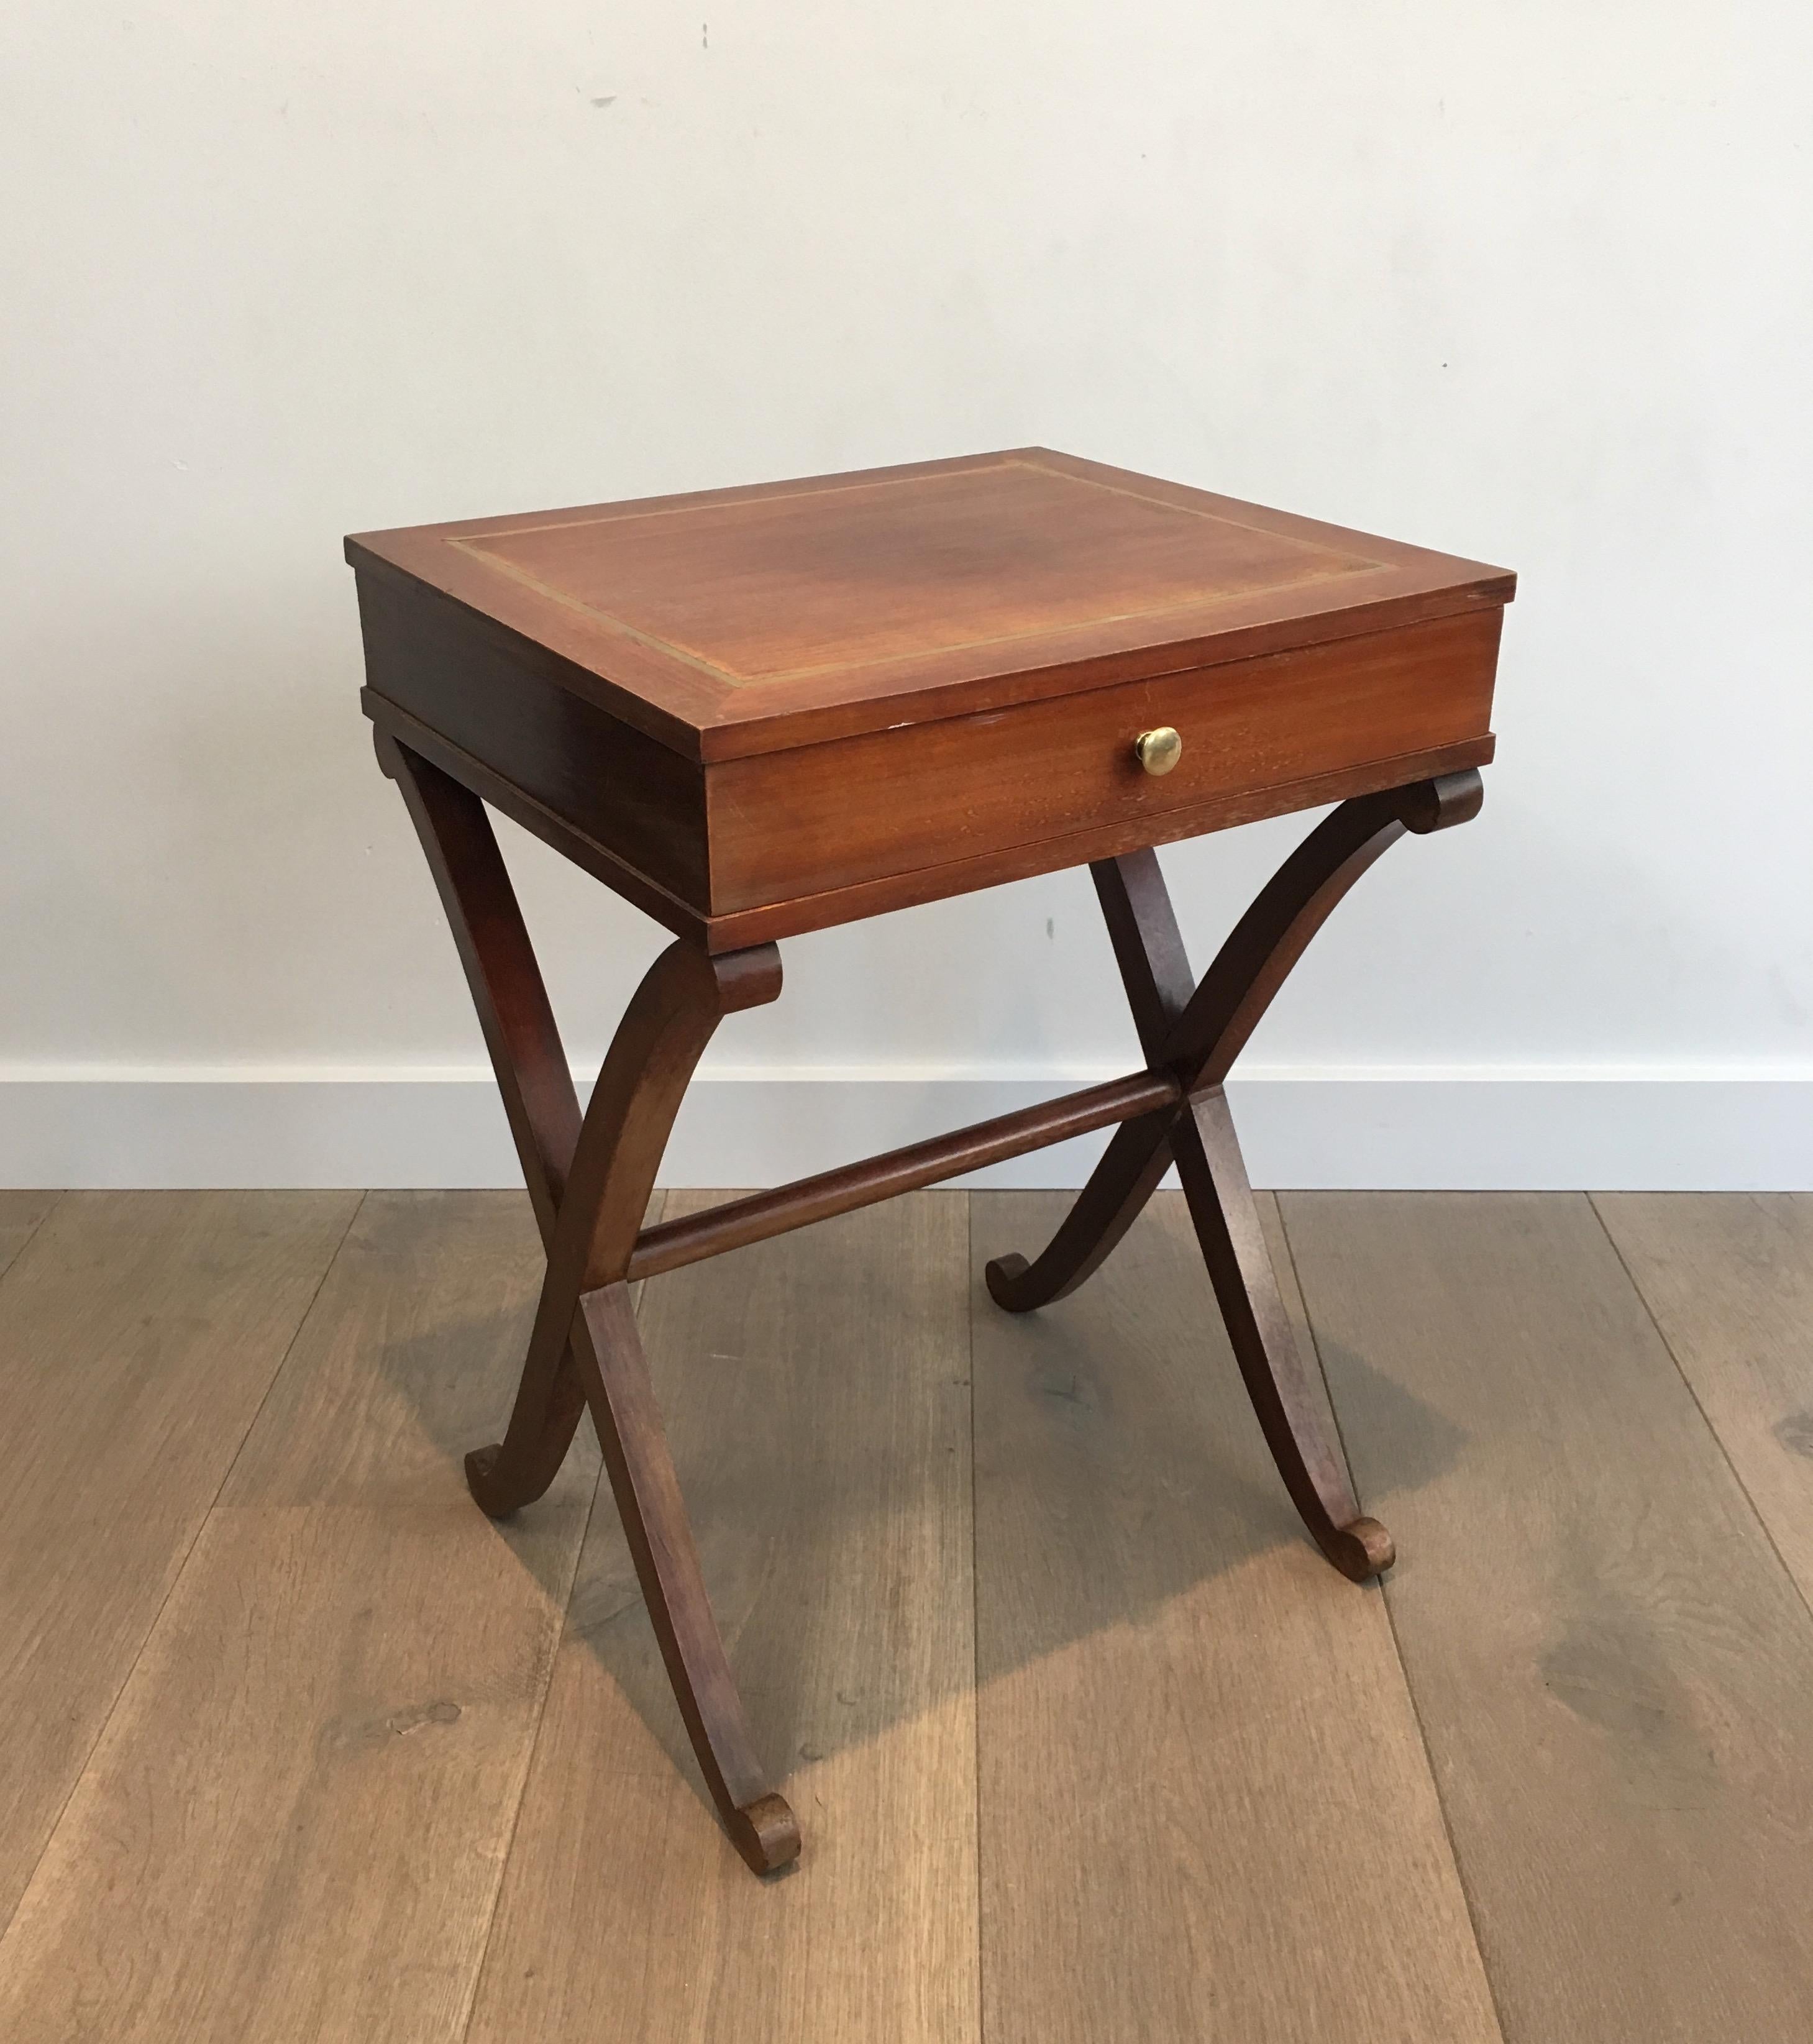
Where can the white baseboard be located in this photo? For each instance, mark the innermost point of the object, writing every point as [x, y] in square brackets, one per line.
[1437, 1128]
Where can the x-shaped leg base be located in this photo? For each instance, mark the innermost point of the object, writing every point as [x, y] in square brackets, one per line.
[590, 1178]
[1197, 1029]
[590, 1181]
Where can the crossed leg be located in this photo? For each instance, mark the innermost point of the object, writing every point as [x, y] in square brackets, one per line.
[1198, 1031]
[589, 1180]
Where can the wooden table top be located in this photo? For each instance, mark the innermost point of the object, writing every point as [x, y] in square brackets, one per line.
[759, 711]
[740, 621]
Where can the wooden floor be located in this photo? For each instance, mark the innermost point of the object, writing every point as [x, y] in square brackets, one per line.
[1088, 1742]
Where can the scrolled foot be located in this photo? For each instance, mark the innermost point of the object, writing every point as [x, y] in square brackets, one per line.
[481, 1480]
[766, 1832]
[1362, 1549]
[1003, 1277]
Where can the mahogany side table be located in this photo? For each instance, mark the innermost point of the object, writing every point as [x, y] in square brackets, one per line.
[760, 711]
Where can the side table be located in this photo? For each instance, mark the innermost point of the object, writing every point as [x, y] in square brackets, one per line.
[761, 711]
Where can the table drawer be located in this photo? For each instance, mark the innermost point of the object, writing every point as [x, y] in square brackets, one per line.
[818, 818]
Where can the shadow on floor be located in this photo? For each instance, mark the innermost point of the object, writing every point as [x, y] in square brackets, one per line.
[817, 1391]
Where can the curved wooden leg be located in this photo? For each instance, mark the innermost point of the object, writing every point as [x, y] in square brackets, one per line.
[1227, 1222]
[590, 1181]
[505, 1475]
[641, 1085]
[1199, 1029]
[585, 1311]
[585, 1308]
[760, 1824]
[1155, 970]
[1137, 1157]
[1198, 1032]
[532, 1076]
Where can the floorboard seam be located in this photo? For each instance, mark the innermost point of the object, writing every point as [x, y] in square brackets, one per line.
[32, 1236]
[177, 1574]
[503, 1858]
[1465, 1886]
[1397, 1648]
[975, 1615]
[1692, 1392]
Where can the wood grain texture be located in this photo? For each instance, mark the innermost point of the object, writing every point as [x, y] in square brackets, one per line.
[294, 1825]
[759, 711]
[22, 1216]
[784, 824]
[1206, 1810]
[138, 1333]
[1196, 1029]
[671, 1244]
[815, 1395]
[728, 622]
[1729, 1277]
[1613, 1672]
[1131, 829]
[555, 828]
[867, 550]
[502, 701]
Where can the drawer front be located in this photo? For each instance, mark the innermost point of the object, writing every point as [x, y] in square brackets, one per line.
[857, 810]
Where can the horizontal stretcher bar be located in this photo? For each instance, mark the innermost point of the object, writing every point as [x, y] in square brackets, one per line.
[670, 1244]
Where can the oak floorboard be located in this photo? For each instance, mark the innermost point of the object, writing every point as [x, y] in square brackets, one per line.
[295, 1823]
[22, 1216]
[816, 1393]
[1613, 1669]
[1206, 1810]
[139, 1332]
[1728, 1277]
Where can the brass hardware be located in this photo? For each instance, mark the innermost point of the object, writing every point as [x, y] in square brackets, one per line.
[1159, 751]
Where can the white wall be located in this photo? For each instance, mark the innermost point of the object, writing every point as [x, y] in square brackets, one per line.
[1530, 283]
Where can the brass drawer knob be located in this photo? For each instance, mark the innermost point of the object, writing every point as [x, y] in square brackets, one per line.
[1159, 751]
